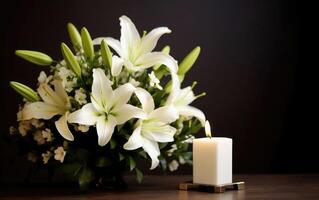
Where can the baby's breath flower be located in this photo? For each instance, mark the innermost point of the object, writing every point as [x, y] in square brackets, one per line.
[154, 81]
[36, 123]
[46, 157]
[59, 154]
[80, 96]
[189, 139]
[38, 137]
[181, 160]
[173, 165]
[47, 135]
[31, 156]
[134, 82]
[43, 78]
[83, 128]
[68, 78]
[24, 127]
[12, 130]
[171, 151]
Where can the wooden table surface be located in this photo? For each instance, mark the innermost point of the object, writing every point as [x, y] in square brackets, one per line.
[165, 188]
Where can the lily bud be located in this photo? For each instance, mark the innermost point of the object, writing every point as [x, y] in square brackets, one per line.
[87, 43]
[35, 57]
[75, 36]
[188, 61]
[25, 91]
[70, 60]
[106, 54]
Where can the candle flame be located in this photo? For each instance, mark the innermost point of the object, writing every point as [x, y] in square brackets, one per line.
[208, 131]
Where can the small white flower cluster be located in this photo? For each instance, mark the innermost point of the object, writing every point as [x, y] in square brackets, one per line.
[59, 154]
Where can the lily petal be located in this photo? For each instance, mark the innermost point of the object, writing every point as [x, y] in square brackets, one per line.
[146, 100]
[87, 115]
[135, 141]
[190, 111]
[175, 89]
[150, 59]
[149, 42]
[165, 114]
[117, 64]
[158, 131]
[130, 38]
[122, 95]
[62, 127]
[152, 149]
[113, 43]
[185, 96]
[127, 112]
[60, 91]
[49, 96]
[40, 110]
[105, 129]
[101, 90]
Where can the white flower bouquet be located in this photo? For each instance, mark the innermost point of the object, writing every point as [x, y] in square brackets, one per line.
[99, 111]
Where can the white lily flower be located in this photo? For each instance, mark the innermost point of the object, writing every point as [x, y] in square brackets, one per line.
[108, 108]
[181, 98]
[136, 51]
[153, 128]
[54, 103]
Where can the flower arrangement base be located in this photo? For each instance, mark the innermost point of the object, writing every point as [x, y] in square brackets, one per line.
[189, 185]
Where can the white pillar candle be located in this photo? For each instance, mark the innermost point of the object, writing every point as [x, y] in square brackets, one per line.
[212, 160]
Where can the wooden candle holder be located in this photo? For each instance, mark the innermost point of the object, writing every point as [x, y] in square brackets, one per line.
[189, 185]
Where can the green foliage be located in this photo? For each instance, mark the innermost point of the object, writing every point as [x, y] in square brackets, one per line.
[71, 169]
[139, 175]
[131, 162]
[85, 177]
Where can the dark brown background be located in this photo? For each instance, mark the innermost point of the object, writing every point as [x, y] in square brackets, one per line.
[250, 67]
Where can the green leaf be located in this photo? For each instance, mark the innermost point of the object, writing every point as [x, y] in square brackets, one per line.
[35, 57]
[71, 169]
[102, 162]
[87, 43]
[74, 36]
[139, 175]
[131, 163]
[85, 178]
[188, 61]
[121, 157]
[106, 54]
[163, 145]
[163, 162]
[82, 155]
[142, 153]
[25, 91]
[113, 143]
[165, 50]
[70, 60]
[161, 71]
